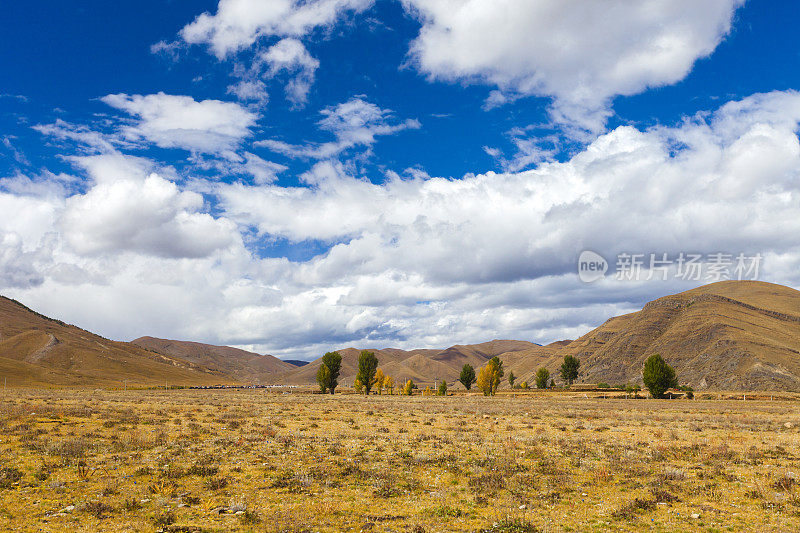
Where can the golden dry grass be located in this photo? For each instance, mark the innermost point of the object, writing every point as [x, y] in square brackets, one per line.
[259, 461]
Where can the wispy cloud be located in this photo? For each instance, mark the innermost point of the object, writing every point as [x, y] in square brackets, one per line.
[353, 123]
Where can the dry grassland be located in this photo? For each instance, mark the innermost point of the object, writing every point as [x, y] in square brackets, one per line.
[260, 461]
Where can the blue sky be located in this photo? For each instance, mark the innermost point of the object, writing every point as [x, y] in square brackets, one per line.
[294, 176]
[104, 48]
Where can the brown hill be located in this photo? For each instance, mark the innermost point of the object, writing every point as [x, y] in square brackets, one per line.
[525, 363]
[477, 354]
[420, 369]
[238, 365]
[37, 350]
[735, 335]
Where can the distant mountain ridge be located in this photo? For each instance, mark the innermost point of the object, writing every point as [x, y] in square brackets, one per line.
[736, 335]
[238, 365]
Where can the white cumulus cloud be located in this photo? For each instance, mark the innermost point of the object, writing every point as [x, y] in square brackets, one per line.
[581, 54]
[129, 210]
[657, 190]
[172, 121]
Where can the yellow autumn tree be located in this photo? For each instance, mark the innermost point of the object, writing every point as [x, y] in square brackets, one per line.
[389, 384]
[379, 381]
[358, 386]
[484, 381]
[489, 376]
[408, 388]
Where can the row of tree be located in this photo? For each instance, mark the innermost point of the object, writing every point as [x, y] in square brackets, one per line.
[488, 378]
[657, 375]
[369, 376]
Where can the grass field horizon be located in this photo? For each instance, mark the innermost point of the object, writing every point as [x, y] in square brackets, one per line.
[256, 460]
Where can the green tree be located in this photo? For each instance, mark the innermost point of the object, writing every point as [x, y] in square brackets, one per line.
[333, 361]
[442, 390]
[542, 377]
[569, 369]
[323, 378]
[467, 377]
[632, 389]
[367, 365]
[658, 376]
[497, 373]
[511, 379]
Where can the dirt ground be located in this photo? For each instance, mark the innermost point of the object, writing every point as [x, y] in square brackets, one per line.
[254, 460]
